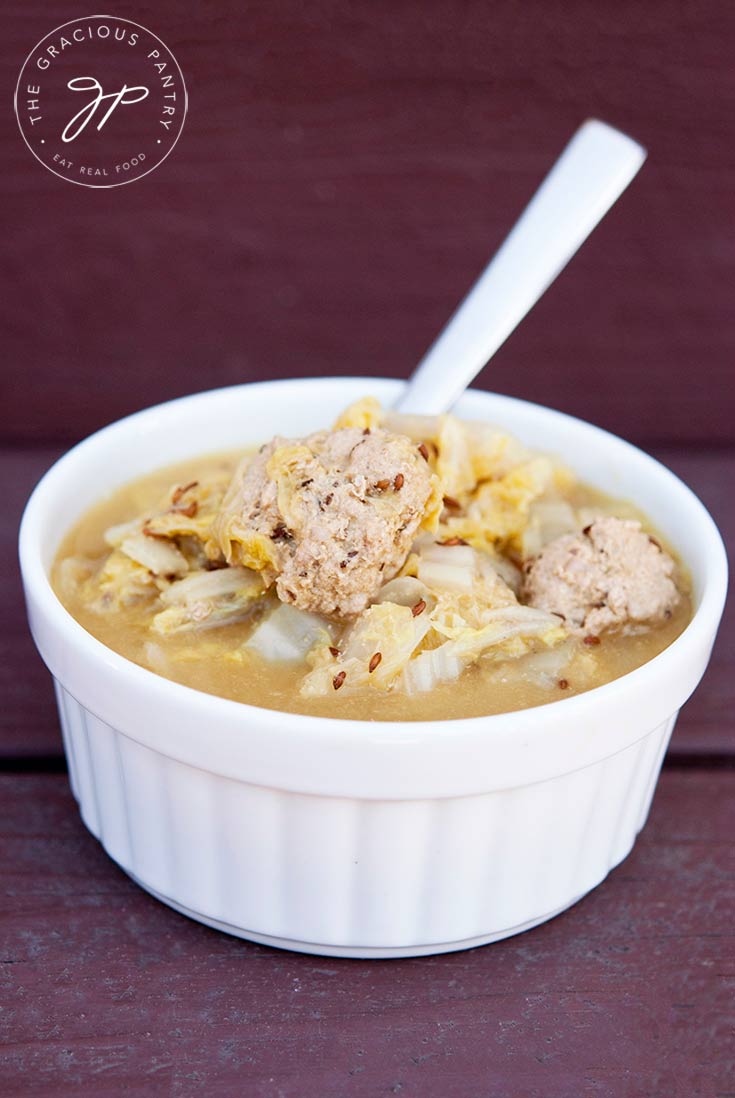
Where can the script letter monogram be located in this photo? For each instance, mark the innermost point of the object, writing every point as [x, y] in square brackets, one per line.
[123, 97]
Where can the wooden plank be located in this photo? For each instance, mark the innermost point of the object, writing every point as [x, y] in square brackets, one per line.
[345, 172]
[630, 992]
[28, 720]
[707, 721]
[28, 723]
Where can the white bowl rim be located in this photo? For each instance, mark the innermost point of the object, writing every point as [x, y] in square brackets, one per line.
[702, 625]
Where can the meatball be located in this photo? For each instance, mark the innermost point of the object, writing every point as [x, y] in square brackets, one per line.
[329, 518]
[610, 576]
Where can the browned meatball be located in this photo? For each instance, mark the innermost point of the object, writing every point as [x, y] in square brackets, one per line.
[334, 515]
[611, 576]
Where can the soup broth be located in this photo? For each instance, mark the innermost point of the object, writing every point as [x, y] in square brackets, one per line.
[216, 659]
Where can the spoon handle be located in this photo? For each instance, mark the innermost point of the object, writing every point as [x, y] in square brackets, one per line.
[589, 176]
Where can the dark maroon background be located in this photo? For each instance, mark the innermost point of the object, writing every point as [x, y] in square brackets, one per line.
[345, 172]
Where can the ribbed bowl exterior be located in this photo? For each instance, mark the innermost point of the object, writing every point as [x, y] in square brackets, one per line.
[357, 837]
[356, 876]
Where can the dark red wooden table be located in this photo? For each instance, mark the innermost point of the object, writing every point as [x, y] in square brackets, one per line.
[345, 171]
[632, 992]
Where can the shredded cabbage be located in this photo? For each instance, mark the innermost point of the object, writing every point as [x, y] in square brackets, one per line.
[372, 653]
[121, 582]
[207, 599]
[465, 611]
[406, 591]
[454, 460]
[365, 414]
[494, 504]
[160, 557]
[289, 634]
[547, 519]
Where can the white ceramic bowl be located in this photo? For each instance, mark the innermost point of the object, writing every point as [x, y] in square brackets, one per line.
[357, 838]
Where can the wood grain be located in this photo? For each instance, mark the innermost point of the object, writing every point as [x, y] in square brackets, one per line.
[28, 722]
[628, 993]
[707, 721]
[345, 172]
